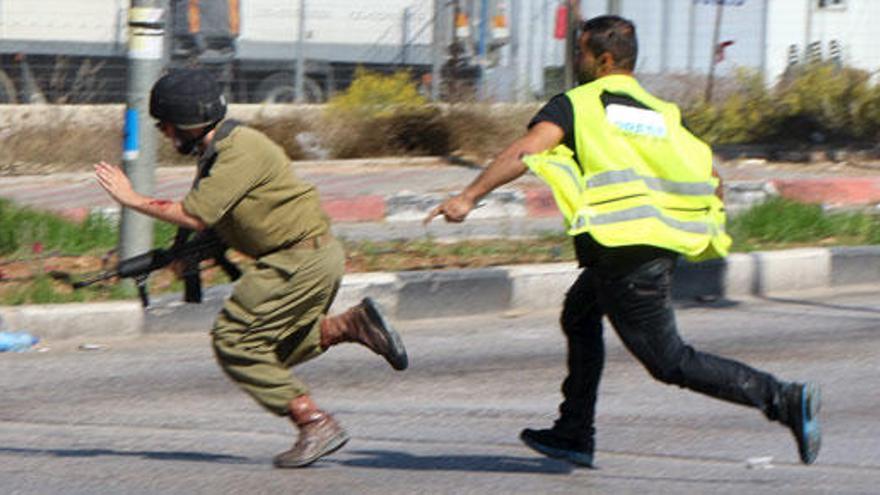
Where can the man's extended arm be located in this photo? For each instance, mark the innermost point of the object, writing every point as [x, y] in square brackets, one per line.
[506, 167]
[114, 181]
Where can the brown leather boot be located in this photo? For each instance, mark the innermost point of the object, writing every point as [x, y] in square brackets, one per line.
[319, 435]
[365, 325]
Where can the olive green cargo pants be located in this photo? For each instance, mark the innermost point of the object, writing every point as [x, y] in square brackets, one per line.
[272, 321]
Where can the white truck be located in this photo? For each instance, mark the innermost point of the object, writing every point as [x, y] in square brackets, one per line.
[74, 51]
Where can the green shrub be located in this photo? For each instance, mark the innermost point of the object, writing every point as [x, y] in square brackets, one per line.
[865, 109]
[382, 115]
[376, 95]
[822, 95]
[741, 118]
[813, 104]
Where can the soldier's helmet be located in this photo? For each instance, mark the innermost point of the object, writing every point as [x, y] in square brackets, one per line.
[188, 98]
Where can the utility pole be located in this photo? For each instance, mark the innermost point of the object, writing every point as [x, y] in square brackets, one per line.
[438, 43]
[300, 76]
[574, 14]
[716, 34]
[530, 49]
[482, 52]
[146, 52]
[764, 26]
[404, 37]
[507, 12]
[665, 35]
[692, 28]
[613, 7]
[545, 43]
[456, 49]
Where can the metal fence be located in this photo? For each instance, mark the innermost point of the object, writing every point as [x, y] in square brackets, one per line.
[76, 51]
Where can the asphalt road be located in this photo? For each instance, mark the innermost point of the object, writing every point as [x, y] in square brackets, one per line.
[154, 415]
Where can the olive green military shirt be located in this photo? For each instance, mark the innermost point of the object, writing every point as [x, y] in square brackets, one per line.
[252, 198]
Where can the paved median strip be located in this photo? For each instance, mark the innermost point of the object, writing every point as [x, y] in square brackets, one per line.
[363, 194]
[446, 293]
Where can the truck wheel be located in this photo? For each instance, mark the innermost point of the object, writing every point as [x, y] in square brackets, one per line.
[280, 88]
[7, 89]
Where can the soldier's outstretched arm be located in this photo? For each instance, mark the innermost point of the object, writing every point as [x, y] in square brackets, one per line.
[117, 185]
[506, 167]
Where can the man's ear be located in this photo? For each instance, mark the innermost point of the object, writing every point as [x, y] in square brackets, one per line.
[606, 62]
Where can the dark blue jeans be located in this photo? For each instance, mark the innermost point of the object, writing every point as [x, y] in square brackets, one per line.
[631, 286]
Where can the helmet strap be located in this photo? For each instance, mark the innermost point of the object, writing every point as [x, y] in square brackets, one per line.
[187, 144]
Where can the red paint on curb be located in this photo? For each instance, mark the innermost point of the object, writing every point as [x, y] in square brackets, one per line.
[540, 203]
[833, 191]
[360, 209]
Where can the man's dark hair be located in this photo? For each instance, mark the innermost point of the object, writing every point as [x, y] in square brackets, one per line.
[615, 35]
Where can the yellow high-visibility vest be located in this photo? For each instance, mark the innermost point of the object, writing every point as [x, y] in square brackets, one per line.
[643, 178]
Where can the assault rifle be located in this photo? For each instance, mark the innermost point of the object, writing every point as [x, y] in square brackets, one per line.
[203, 245]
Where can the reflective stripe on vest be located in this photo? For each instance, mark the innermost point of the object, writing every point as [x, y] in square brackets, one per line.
[575, 180]
[640, 212]
[657, 184]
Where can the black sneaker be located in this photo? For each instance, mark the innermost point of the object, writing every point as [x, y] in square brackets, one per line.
[803, 402]
[554, 444]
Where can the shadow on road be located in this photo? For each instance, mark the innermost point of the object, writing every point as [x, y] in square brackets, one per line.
[386, 459]
[155, 455]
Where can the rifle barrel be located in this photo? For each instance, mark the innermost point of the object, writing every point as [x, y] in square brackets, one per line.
[97, 278]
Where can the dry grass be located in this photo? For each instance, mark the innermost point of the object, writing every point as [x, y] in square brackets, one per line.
[418, 132]
[483, 131]
[478, 131]
[283, 130]
[73, 143]
[58, 146]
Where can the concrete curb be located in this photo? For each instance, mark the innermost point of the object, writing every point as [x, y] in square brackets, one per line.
[61, 321]
[433, 294]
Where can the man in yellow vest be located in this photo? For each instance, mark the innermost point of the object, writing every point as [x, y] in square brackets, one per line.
[638, 191]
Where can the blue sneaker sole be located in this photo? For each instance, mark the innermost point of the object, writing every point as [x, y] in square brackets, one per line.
[810, 440]
[573, 457]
